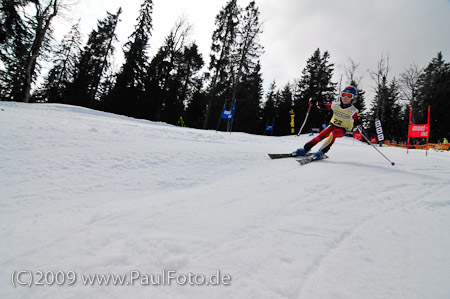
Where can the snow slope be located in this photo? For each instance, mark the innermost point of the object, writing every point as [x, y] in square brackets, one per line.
[96, 193]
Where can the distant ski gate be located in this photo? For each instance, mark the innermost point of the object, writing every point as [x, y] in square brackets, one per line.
[418, 131]
[227, 114]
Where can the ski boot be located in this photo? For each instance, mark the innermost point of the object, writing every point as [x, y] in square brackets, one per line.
[317, 156]
[299, 152]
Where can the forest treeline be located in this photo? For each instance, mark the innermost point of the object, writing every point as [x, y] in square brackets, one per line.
[178, 82]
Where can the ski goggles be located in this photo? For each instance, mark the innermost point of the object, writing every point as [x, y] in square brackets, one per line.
[347, 95]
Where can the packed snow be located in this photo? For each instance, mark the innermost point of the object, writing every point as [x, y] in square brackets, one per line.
[85, 192]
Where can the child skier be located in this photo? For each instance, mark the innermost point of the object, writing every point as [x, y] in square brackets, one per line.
[345, 118]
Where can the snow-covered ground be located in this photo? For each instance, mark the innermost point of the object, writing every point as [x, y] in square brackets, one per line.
[85, 192]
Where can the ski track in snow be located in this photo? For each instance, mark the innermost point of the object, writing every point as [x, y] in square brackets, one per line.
[100, 193]
[358, 228]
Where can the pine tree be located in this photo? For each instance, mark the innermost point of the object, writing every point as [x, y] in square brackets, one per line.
[381, 101]
[182, 83]
[245, 58]
[173, 74]
[434, 91]
[268, 111]
[61, 74]
[189, 70]
[11, 23]
[107, 83]
[379, 105]
[127, 95]
[284, 107]
[195, 110]
[393, 123]
[15, 41]
[158, 71]
[315, 84]
[386, 106]
[223, 45]
[92, 64]
[247, 116]
[245, 69]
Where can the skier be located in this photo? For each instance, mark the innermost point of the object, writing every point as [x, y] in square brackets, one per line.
[345, 118]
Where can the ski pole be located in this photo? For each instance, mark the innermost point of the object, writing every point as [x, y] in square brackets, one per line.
[367, 139]
[306, 117]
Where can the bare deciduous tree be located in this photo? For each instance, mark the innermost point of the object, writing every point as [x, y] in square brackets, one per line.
[350, 72]
[380, 77]
[409, 81]
[45, 11]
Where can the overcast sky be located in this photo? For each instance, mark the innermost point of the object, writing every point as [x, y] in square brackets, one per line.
[408, 31]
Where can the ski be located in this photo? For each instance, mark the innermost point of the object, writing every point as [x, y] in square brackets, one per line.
[310, 159]
[281, 156]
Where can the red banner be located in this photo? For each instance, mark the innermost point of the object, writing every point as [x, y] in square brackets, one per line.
[419, 131]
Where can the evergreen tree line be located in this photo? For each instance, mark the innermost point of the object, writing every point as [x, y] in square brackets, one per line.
[175, 81]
